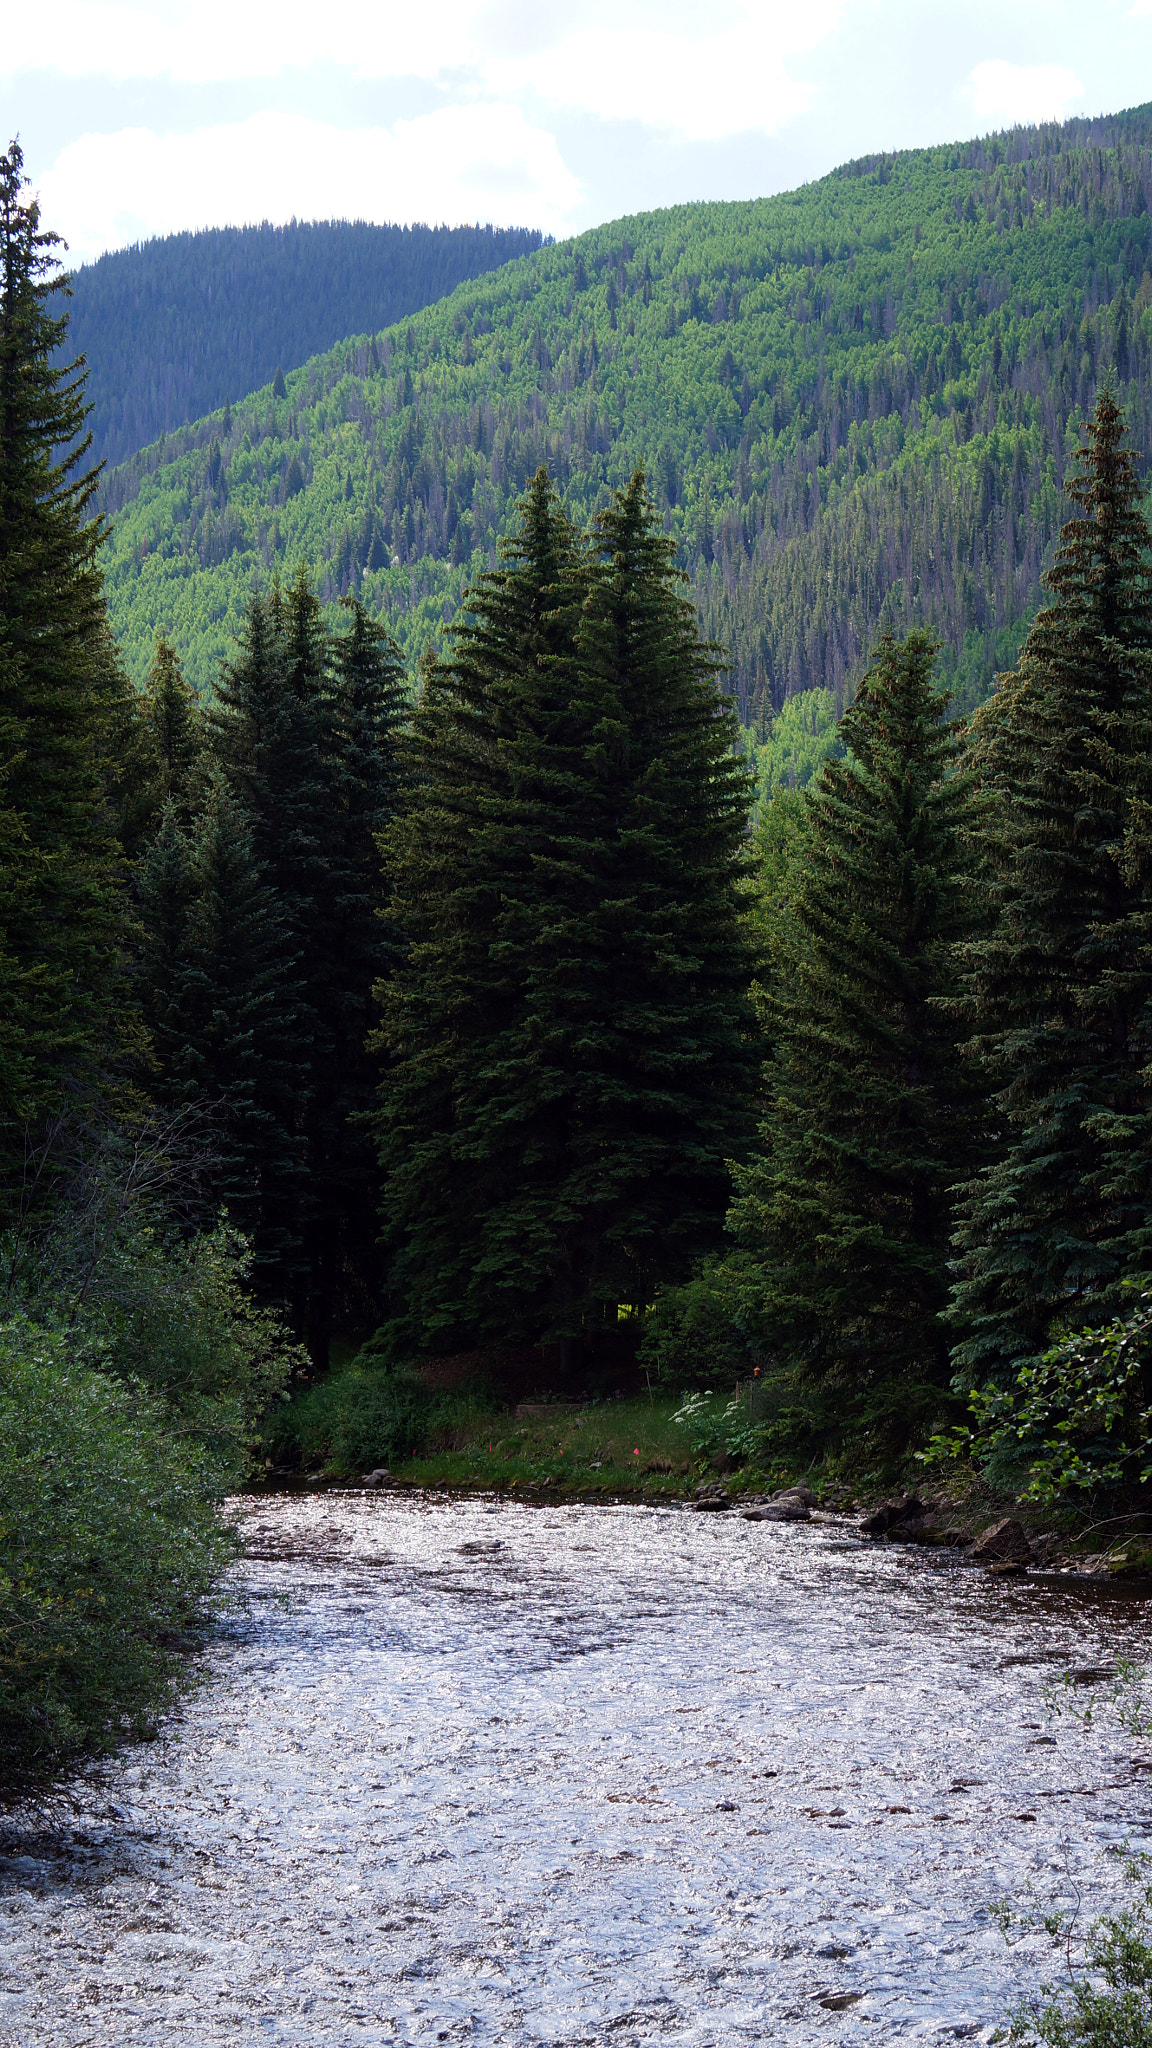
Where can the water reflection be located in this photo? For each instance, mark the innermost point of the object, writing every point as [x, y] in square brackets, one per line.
[486, 1772]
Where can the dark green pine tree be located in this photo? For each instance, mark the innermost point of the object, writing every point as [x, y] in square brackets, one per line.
[160, 754]
[221, 1002]
[63, 701]
[568, 1035]
[458, 854]
[351, 949]
[175, 729]
[269, 733]
[1060, 989]
[164, 894]
[873, 1108]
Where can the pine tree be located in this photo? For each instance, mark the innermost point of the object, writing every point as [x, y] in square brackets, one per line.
[63, 699]
[352, 949]
[872, 1108]
[568, 1033]
[164, 893]
[1060, 990]
[176, 729]
[269, 733]
[234, 1038]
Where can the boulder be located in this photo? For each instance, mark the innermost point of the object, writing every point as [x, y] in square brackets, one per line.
[802, 1493]
[710, 1504]
[379, 1476]
[1003, 1543]
[898, 1516]
[778, 1511]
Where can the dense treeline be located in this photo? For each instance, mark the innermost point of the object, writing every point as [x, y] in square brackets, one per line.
[174, 328]
[953, 1175]
[855, 405]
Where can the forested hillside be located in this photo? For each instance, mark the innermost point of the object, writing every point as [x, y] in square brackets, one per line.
[854, 401]
[175, 327]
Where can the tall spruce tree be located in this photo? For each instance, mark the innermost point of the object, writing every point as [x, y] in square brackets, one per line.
[354, 949]
[221, 999]
[268, 734]
[63, 700]
[873, 1108]
[568, 1038]
[1060, 990]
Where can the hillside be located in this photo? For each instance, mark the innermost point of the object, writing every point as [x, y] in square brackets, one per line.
[854, 401]
[175, 327]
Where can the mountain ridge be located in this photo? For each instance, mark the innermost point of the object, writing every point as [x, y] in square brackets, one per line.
[855, 403]
[174, 327]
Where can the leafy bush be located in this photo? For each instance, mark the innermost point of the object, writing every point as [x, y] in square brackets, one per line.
[367, 1415]
[109, 1545]
[96, 1250]
[179, 1320]
[694, 1332]
[1078, 1419]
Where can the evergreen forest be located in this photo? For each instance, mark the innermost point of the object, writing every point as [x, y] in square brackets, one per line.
[855, 404]
[473, 923]
[172, 329]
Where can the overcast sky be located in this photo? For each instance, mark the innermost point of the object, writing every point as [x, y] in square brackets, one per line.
[151, 115]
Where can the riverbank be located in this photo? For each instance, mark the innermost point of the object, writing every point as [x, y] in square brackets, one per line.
[634, 1450]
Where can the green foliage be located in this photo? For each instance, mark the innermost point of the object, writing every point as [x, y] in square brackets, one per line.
[355, 1419]
[1106, 1999]
[64, 712]
[109, 1546]
[216, 312]
[1059, 986]
[1078, 1420]
[569, 1040]
[872, 1108]
[260, 896]
[854, 401]
[800, 736]
[693, 1332]
[167, 1312]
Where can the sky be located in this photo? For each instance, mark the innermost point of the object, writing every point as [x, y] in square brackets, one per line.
[141, 117]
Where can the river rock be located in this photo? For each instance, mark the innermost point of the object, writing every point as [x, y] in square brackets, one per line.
[800, 1493]
[1003, 1543]
[897, 1517]
[379, 1476]
[778, 1511]
[710, 1503]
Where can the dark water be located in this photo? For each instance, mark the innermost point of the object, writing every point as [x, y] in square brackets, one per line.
[499, 1774]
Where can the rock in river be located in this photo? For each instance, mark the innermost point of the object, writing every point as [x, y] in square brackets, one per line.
[1003, 1543]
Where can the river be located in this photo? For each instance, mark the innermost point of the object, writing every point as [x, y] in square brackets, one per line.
[478, 1771]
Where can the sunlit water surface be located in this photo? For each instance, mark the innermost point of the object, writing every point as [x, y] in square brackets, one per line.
[468, 1771]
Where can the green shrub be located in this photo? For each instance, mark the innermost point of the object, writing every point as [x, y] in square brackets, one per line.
[177, 1318]
[109, 1545]
[1076, 1423]
[353, 1420]
[694, 1333]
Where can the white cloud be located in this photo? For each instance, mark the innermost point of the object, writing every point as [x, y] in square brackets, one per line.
[705, 83]
[479, 162]
[1003, 94]
[704, 73]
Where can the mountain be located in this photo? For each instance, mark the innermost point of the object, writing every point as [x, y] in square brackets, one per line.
[175, 327]
[855, 403]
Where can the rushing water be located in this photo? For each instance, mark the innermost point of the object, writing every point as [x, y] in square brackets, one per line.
[482, 1772]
